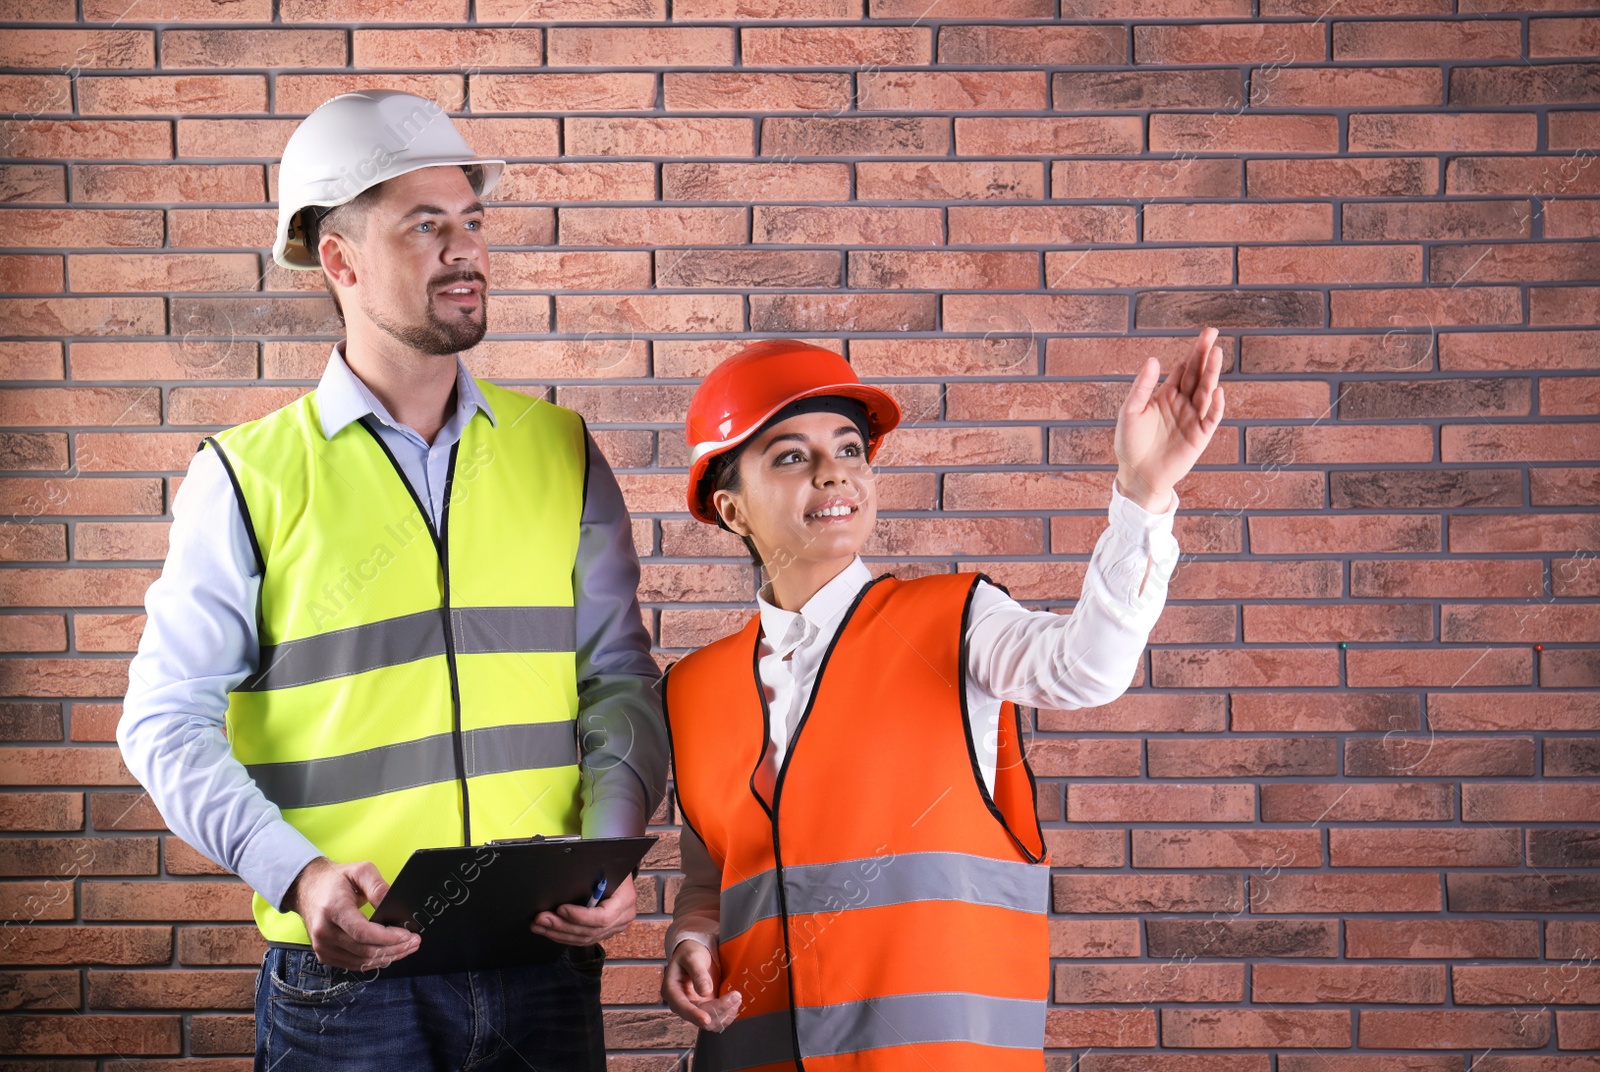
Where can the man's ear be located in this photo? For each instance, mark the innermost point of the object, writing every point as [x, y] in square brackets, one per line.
[726, 505]
[334, 256]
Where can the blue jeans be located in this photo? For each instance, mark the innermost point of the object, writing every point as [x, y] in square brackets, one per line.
[544, 1017]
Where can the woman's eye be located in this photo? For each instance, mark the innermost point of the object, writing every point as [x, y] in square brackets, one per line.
[786, 456]
[853, 449]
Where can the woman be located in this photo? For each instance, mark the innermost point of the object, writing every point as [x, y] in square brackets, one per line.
[867, 884]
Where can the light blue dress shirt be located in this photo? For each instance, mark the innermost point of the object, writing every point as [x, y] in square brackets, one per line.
[200, 640]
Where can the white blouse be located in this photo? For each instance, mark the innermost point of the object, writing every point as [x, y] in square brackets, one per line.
[1034, 658]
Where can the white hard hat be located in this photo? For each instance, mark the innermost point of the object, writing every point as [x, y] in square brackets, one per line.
[355, 141]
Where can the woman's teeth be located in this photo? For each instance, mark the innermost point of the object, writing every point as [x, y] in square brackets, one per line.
[833, 511]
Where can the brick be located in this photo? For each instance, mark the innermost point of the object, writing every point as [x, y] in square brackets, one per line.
[1563, 848]
[1198, 848]
[1256, 1027]
[91, 139]
[89, 1034]
[1044, 44]
[648, 313]
[843, 312]
[1453, 1029]
[1415, 847]
[1535, 802]
[1167, 802]
[1050, 757]
[1520, 175]
[954, 180]
[649, 136]
[1433, 306]
[1418, 984]
[78, 856]
[180, 10]
[1180, 132]
[1241, 222]
[42, 990]
[1399, 891]
[853, 46]
[114, 540]
[560, 359]
[37, 812]
[1405, 132]
[1046, 224]
[68, 944]
[1034, 312]
[764, 91]
[1086, 892]
[1549, 441]
[834, 135]
[1095, 91]
[1226, 43]
[33, 450]
[1433, 939]
[1479, 38]
[1100, 1027]
[471, 48]
[165, 272]
[755, 182]
[1437, 579]
[242, 47]
[209, 944]
[748, 268]
[1248, 668]
[75, 586]
[653, 46]
[1561, 305]
[84, 316]
[1546, 83]
[1312, 712]
[1232, 937]
[841, 225]
[78, 49]
[65, 766]
[1329, 264]
[23, 274]
[30, 360]
[1344, 87]
[952, 91]
[145, 900]
[1329, 535]
[300, 94]
[1415, 176]
[172, 989]
[172, 94]
[1356, 802]
[1571, 757]
[677, 225]
[32, 182]
[1189, 177]
[1378, 221]
[30, 721]
[33, 632]
[1094, 983]
[1221, 758]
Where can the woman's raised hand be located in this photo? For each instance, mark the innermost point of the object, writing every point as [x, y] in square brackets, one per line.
[1161, 431]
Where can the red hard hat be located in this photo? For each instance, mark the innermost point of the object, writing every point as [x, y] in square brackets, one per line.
[744, 391]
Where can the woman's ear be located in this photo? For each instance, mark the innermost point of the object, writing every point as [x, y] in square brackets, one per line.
[726, 504]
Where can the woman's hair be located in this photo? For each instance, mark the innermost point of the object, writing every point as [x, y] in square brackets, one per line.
[723, 475]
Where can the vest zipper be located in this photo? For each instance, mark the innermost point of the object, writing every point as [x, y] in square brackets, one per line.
[440, 537]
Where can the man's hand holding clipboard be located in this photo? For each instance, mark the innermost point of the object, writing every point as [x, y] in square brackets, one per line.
[574, 924]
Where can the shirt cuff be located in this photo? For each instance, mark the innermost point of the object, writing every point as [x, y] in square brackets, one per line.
[274, 858]
[1134, 519]
[704, 938]
[613, 816]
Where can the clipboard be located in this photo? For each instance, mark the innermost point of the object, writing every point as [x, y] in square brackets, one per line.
[472, 903]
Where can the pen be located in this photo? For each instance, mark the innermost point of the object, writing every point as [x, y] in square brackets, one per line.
[599, 891]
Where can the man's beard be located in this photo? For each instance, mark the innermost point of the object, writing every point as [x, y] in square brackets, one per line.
[438, 335]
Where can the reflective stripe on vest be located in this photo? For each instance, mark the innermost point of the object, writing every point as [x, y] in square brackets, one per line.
[885, 905]
[414, 688]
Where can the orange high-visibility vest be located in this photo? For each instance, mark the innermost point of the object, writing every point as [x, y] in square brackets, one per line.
[884, 911]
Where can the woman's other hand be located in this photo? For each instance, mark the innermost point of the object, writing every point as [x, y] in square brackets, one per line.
[689, 987]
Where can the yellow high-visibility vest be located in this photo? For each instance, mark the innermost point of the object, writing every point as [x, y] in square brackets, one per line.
[415, 688]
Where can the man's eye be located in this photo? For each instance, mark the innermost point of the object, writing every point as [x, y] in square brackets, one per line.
[424, 223]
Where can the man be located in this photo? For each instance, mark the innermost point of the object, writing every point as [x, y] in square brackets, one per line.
[410, 597]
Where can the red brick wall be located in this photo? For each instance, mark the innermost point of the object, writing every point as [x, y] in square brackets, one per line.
[1345, 814]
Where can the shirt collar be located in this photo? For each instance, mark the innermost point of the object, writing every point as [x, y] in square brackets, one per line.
[786, 629]
[342, 398]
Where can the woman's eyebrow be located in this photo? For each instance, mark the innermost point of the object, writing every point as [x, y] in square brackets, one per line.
[843, 429]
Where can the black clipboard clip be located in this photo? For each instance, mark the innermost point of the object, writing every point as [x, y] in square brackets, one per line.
[533, 839]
